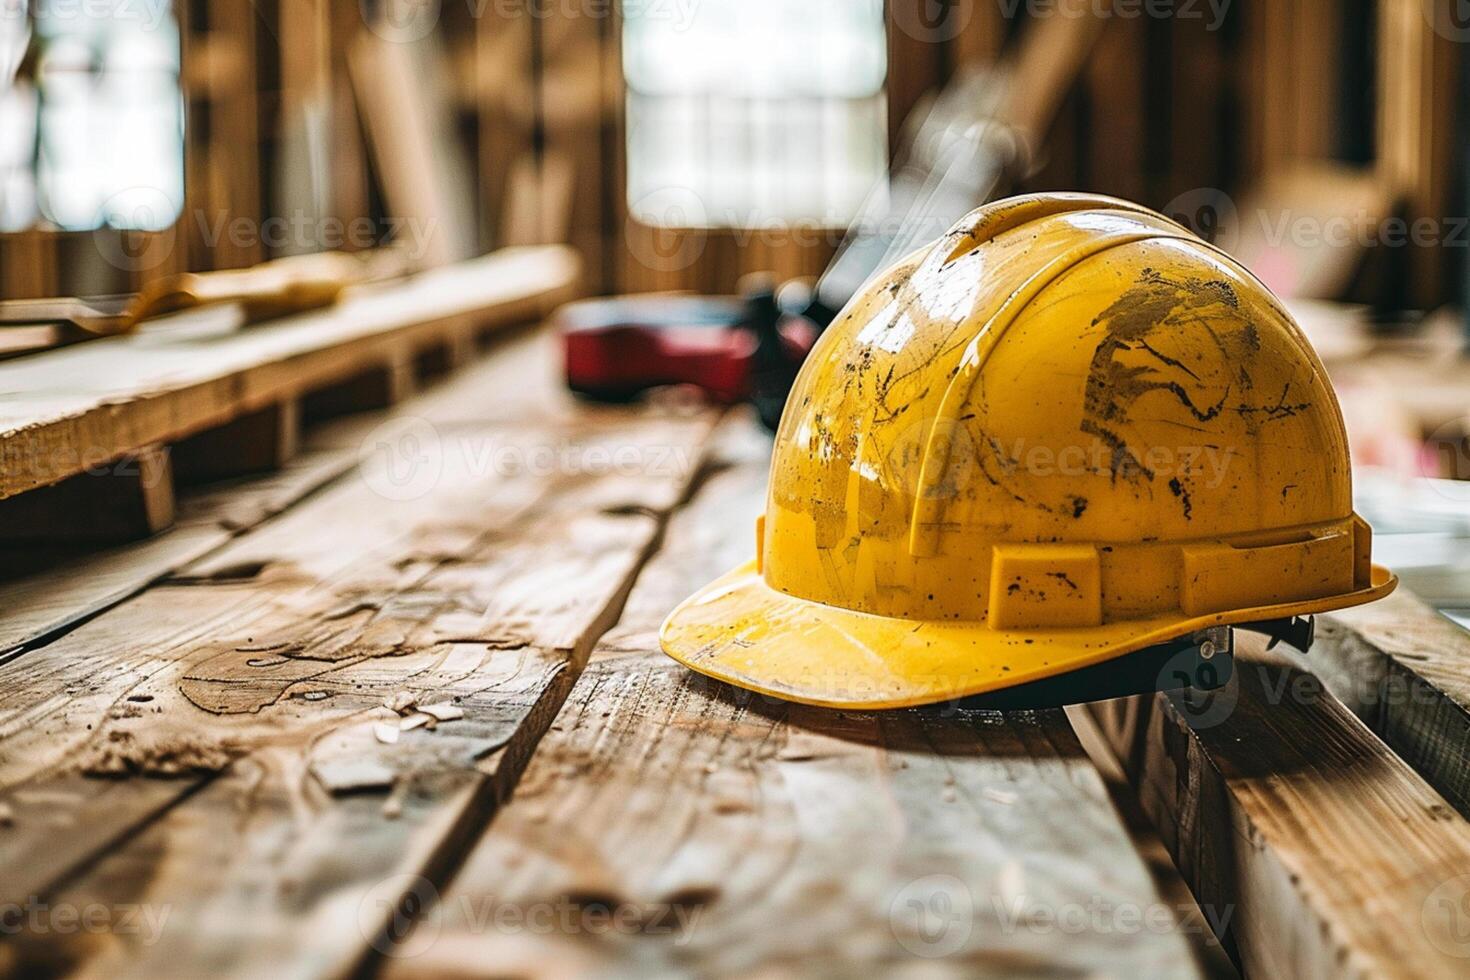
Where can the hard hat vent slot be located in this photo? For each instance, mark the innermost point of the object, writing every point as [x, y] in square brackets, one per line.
[987, 223]
[1293, 536]
[1292, 566]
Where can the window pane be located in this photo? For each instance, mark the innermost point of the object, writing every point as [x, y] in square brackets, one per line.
[756, 112]
[107, 117]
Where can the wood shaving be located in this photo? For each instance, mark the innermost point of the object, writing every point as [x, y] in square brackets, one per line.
[443, 712]
[416, 720]
[7, 815]
[1010, 883]
[403, 702]
[385, 732]
[393, 805]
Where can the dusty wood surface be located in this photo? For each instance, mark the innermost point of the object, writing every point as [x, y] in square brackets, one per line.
[269, 663]
[212, 765]
[67, 410]
[672, 826]
[1405, 670]
[1331, 856]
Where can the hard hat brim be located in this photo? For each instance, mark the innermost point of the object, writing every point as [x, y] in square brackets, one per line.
[740, 630]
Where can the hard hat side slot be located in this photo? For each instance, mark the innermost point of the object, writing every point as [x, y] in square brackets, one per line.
[1235, 575]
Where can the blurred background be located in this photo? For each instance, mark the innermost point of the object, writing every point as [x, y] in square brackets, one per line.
[683, 144]
[185, 127]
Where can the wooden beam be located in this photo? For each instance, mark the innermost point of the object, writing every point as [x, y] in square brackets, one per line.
[1334, 858]
[259, 442]
[381, 386]
[1405, 670]
[87, 404]
[125, 500]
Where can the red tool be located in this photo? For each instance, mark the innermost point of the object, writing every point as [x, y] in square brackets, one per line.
[733, 349]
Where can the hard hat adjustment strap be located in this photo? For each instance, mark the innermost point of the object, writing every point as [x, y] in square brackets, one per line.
[1297, 631]
[1203, 661]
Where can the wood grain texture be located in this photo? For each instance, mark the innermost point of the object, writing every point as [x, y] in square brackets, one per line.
[241, 704]
[83, 406]
[672, 826]
[1405, 670]
[1324, 853]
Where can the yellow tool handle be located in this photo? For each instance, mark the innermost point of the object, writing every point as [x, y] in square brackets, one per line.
[272, 289]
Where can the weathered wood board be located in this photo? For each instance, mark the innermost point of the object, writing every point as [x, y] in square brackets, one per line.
[46, 590]
[256, 680]
[669, 825]
[1405, 670]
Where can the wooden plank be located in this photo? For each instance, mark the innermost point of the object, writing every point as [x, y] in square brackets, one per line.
[122, 501]
[1116, 88]
[233, 150]
[669, 825]
[83, 406]
[1334, 857]
[257, 681]
[399, 82]
[1405, 670]
[47, 590]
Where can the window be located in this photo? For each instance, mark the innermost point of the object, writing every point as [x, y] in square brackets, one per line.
[753, 113]
[91, 115]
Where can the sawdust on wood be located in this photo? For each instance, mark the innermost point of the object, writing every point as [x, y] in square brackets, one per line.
[122, 754]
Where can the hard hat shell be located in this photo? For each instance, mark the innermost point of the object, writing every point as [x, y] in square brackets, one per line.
[1069, 430]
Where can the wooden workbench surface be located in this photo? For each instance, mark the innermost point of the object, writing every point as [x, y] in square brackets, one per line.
[410, 717]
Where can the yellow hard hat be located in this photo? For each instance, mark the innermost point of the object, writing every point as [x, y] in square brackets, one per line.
[1067, 431]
